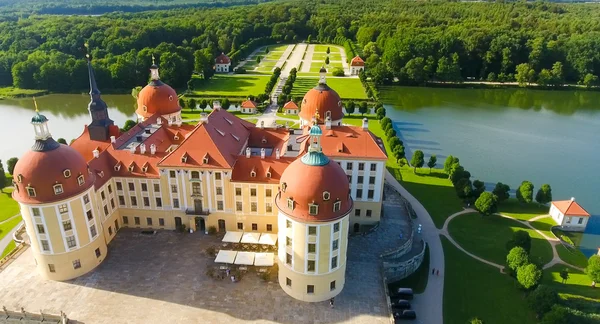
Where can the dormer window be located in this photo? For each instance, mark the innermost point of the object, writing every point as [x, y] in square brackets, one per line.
[145, 168]
[326, 195]
[205, 160]
[19, 178]
[313, 209]
[58, 189]
[118, 167]
[101, 174]
[253, 174]
[290, 202]
[268, 174]
[67, 173]
[170, 98]
[30, 191]
[328, 114]
[184, 159]
[176, 138]
[337, 206]
[263, 140]
[144, 108]
[283, 187]
[131, 168]
[80, 180]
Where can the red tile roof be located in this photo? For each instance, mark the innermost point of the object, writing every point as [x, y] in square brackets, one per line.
[242, 172]
[349, 142]
[290, 105]
[275, 138]
[357, 61]
[570, 208]
[85, 146]
[249, 104]
[222, 59]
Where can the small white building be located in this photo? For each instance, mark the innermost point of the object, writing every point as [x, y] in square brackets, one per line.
[569, 215]
[356, 65]
[249, 107]
[222, 63]
[290, 108]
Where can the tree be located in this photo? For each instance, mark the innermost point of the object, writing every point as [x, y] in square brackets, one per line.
[520, 238]
[529, 276]
[192, 104]
[390, 132]
[544, 195]
[225, 103]
[478, 188]
[399, 152]
[351, 106]
[135, 91]
[203, 104]
[10, 164]
[501, 191]
[328, 50]
[363, 108]
[544, 77]
[475, 321]
[62, 141]
[266, 50]
[516, 258]
[327, 60]
[432, 162]
[258, 58]
[449, 163]
[415, 70]
[394, 141]
[128, 125]
[486, 204]
[590, 80]
[464, 188]
[182, 102]
[525, 74]
[417, 160]
[203, 63]
[564, 274]
[380, 113]
[557, 315]
[3, 180]
[525, 192]
[558, 78]
[338, 72]
[542, 299]
[385, 121]
[592, 269]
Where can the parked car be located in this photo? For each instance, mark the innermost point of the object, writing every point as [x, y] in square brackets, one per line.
[402, 293]
[400, 304]
[405, 314]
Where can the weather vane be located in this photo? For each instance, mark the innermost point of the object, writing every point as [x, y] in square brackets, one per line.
[35, 104]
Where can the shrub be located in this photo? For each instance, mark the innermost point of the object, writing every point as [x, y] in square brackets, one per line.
[181, 228]
[475, 321]
[558, 315]
[542, 299]
[520, 238]
[486, 203]
[339, 72]
[212, 230]
[240, 71]
[567, 239]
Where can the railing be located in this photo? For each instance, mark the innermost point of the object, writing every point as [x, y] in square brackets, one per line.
[192, 211]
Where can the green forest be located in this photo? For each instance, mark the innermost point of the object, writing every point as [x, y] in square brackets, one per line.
[406, 41]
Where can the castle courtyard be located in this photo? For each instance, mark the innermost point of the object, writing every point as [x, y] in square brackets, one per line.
[161, 278]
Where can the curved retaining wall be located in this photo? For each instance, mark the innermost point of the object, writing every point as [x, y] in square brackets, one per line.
[395, 271]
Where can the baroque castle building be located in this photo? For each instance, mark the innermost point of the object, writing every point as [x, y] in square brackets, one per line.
[311, 186]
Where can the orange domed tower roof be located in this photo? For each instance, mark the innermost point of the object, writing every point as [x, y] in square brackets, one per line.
[50, 171]
[314, 188]
[320, 102]
[157, 97]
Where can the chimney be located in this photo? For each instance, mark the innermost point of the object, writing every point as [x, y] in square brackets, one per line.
[170, 122]
[328, 123]
[216, 105]
[262, 153]
[248, 152]
[113, 139]
[572, 198]
[158, 121]
[178, 122]
[203, 118]
[262, 124]
[142, 148]
[96, 153]
[277, 155]
[132, 149]
[152, 149]
[365, 124]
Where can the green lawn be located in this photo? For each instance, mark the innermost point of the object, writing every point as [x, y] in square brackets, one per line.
[323, 48]
[11, 246]
[347, 88]
[278, 48]
[12, 92]
[315, 66]
[486, 237]
[274, 55]
[296, 117]
[418, 280]
[574, 257]
[473, 289]
[238, 85]
[575, 237]
[512, 207]
[544, 225]
[577, 284]
[320, 57]
[9, 207]
[5, 228]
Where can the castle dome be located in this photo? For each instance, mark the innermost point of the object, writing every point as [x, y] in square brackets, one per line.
[157, 97]
[322, 100]
[314, 179]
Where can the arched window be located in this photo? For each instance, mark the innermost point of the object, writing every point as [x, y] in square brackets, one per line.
[58, 189]
[313, 209]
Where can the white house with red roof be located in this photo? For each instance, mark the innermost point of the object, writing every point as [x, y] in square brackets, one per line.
[222, 63]
[356, 65]
[290, 108]
[569, 214]
[248, 107]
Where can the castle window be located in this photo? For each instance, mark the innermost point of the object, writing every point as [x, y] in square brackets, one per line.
[290, 203]
[67, 173]
[118, 167]
[36, 211]
[283, 186]
[326, 195]
[76, 264]
[144, 108]
[176, 137]
[20, 178]
[30, 191]
[80, 180]
[205, 160]
[337, 206]
[67, 226]
[336, 227]
[313, 209]
[170, 98]
[131, 168]
[195, 175]
[184, 159]
[145, 168]
[268, 174]
[312, 230]
[63, 208]
[252, 174]
[58, 189]
[328, 114]
[253, 192]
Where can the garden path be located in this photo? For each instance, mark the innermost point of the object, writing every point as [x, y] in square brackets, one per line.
[308, 59]
[8, 238]
[431, 310]
[9, 219]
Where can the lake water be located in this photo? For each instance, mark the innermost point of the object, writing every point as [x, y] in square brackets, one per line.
[509, 135]
[67, 114]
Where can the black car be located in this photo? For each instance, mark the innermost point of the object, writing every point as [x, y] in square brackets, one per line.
[405, 314]
[402, 293]
[400, 304]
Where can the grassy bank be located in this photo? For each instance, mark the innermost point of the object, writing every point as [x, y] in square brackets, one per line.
[12, 92]
[9, 206]
[11, 246]
[239, 85]
[347, 88]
